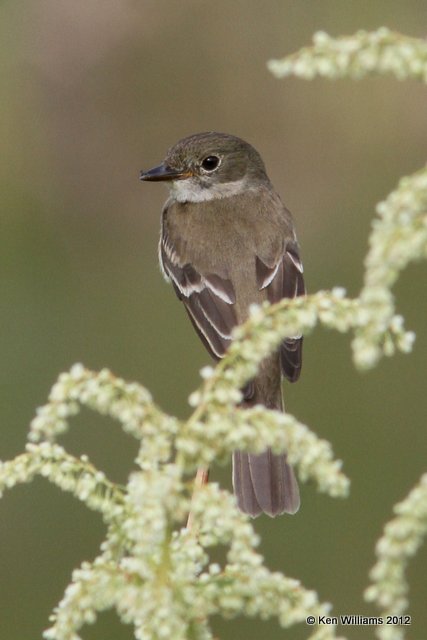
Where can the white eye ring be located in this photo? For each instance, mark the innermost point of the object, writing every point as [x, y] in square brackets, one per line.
[210, 164]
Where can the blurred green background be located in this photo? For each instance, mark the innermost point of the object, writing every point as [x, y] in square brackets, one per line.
[91, 92]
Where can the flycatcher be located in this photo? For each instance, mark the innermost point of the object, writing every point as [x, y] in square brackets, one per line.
[227, 242]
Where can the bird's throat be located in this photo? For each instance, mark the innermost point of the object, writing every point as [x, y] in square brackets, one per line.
[193, 190]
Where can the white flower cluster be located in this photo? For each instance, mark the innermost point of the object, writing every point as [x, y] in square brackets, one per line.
[128, 402]
[399, 236]
[74, 475]
[157, 575]
[227, 429]
[261, 334]
[402, 538]
[378, 331]
[167, 588]
[379, 52]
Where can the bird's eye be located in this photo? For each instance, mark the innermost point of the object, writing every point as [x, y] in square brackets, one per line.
[210, 163]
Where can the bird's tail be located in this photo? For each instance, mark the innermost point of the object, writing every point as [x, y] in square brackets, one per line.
[265, 483]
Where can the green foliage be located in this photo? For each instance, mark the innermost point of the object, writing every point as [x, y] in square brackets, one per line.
[157, 574]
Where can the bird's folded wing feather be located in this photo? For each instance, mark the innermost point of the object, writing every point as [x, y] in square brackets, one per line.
[283, 278]
[210, 299]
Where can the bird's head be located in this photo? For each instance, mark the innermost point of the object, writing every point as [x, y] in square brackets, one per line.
[209, 165]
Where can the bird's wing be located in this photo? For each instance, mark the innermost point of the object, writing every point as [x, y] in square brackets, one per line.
[208, 298]
[283, 278]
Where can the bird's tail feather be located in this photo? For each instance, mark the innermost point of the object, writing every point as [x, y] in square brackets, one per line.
[264, 483]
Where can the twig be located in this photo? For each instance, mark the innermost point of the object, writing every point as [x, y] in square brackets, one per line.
[202, 478]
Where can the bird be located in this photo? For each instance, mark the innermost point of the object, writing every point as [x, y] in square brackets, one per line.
[228, 242]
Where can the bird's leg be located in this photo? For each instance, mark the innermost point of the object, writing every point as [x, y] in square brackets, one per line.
[202, 478]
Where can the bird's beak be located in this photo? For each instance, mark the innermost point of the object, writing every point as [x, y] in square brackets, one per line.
[163, 172]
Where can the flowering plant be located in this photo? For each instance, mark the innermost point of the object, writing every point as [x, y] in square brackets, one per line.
[156, 573]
